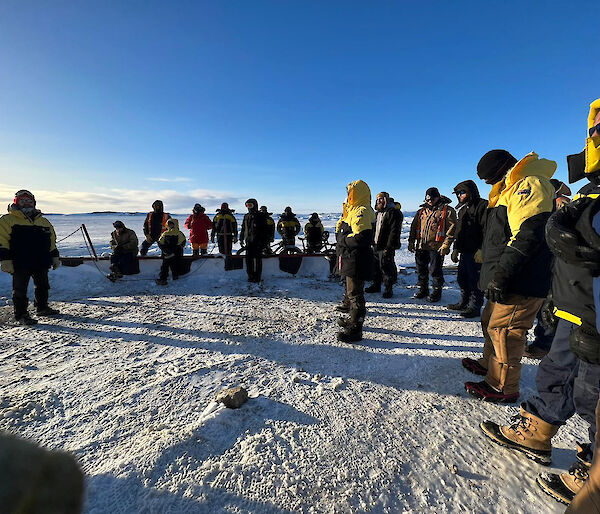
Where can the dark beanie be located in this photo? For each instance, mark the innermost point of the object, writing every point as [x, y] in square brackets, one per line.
[432, 192]
[492, 167]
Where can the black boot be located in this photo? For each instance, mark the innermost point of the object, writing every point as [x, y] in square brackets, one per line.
[473, 309]
[423, 291]
[462, 304]
[195, 253]
[344, 322]
[436, 295]
[47, 311]
[388, 291]
[351, 333]
[344, 306]
[26, 319]
[373, 288]
[203, 251]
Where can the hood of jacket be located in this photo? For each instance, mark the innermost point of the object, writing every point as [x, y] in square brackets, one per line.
[359, 213]
[15, 211]
[359, 195]
[252, 201]
[471, 187]
[158, 206]
[175, 228]
[444, 200]
[529, 166]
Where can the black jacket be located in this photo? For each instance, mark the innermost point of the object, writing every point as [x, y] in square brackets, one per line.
[572, 285]
[355, 253]
[156, 221]
[471, 219]
[288, 226]
[389, 231]
[255, 230]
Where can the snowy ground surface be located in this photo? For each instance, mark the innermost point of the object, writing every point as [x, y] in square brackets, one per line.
[126, 380]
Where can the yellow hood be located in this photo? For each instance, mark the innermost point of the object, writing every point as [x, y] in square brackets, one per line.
[359, 194]
[529, 166]
[175, 222]
[592, 144]
[359, 215]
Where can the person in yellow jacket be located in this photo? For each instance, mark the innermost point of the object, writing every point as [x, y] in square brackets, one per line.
[171, 242]
[516, 269]
[355, 257]
[27, 251]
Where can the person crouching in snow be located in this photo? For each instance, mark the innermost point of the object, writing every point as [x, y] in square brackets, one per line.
[198, 224]
[171, 243]
[431, 235]
[124, 244]
[354, 236]
[28, 250]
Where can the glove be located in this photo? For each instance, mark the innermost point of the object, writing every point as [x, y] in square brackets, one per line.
[55, 262]
[411, 246]
[149, 239]
[549, 320]
[478, 257]
[387, 252]
[454, 256]
[7, 266]
[444, 249]
[496, 290]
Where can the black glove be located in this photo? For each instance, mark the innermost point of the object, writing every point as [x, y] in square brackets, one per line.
[496, 290]
[549, 320]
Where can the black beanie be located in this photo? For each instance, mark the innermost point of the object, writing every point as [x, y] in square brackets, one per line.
[432, 192]
[492, 167]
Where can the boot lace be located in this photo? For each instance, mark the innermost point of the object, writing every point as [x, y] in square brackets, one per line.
[579, 471]
[520, 424]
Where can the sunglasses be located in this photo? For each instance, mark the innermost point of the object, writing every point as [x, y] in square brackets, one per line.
[595, 128]
[461, 192]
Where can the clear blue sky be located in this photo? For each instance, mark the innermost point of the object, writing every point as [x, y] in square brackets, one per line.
[113, 103]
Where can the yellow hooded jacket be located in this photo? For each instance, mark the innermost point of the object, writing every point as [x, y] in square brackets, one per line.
[354, 233]
[172, 240]
[514, 246]
[29, 243]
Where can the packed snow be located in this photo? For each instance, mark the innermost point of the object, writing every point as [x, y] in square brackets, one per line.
[126, 379]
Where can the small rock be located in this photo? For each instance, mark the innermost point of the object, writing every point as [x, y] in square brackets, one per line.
[233, 398]
[454, 469]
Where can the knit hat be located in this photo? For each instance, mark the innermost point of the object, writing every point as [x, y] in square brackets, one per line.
[494, 165]
[119, 224]
[432, 192]
[23, 193]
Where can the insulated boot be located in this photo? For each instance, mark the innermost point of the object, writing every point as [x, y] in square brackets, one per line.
[47, 311]
[483, 391]
[473, 308]
[344, 306]
[534, 352]
[203, 251]
[528, 434]
[461, 304]
[565, 486]
[388, 292]
[26, 319]
[344, 322]
[436, 295]
[195, 253]
[474, 367]
[161, 281]
[373, 288]
[352, 333]
[423, 292]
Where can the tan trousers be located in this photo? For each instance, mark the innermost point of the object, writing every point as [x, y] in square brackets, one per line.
[505, 327]
[587, 500]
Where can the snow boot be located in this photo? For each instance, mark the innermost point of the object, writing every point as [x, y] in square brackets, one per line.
[352, 333]
[436, 295]
[387, 292]
[461, 304]
[373, 288]
[344, 322]
[474, 367]
[344, 306]
[565, 486]
[26, 319]
[473, 308]
[195, 253]
[203, 251]
[423, 292]
[483, 391]
[528, 434]
[47, 311]
[534, 352]
[161, 281]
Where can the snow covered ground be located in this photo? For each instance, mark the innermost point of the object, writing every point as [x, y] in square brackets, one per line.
[126, 380]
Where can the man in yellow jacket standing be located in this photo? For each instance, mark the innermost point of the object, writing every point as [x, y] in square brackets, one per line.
[28, 250]
[355, 256]
[516, 270]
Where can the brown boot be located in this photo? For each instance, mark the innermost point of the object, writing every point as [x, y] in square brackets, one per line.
[565, 486]
[528, 434]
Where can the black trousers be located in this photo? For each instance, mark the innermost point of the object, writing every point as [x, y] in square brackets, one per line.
[254, 261]
[146, 245]
[355, 292]
[225, 244]
[20, 285]
[468, 277]
[126, 263]
[429, 262]
[385, 268]
[172, 264]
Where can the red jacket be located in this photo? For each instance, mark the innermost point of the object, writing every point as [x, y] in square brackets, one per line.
[199, 225]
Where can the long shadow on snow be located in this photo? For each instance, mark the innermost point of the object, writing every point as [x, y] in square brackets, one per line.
[422, 335]
[401, 371]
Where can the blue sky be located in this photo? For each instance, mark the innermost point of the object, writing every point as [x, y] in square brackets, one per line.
[107, 105]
